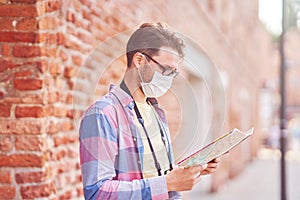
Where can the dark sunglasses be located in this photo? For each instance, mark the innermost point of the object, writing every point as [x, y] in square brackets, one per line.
[165, 71]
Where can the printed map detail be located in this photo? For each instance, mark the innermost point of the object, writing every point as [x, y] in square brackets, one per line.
[215, 149]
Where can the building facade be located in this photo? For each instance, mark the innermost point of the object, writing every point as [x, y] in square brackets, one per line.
[57, 57]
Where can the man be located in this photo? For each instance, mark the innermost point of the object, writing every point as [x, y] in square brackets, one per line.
[125, 145]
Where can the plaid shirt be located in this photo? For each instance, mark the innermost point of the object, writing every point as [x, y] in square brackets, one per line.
[111, 152]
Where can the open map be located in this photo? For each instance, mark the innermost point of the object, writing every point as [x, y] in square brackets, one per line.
[215, 149]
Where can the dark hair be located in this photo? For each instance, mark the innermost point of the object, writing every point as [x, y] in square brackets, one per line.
[150, 37]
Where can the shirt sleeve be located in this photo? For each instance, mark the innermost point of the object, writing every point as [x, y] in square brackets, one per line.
[98, 151]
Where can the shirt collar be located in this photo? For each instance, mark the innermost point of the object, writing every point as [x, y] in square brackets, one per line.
[125, 99]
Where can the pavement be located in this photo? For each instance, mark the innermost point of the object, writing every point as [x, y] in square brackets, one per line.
[259, 181]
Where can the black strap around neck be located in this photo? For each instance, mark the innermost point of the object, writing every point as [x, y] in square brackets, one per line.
[141, 121]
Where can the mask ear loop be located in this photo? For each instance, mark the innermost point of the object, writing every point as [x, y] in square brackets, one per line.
[140, 75]
[138, 68]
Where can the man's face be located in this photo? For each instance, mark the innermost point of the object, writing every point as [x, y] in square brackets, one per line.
[166, 63]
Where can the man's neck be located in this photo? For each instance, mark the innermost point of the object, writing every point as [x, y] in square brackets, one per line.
[133, 84]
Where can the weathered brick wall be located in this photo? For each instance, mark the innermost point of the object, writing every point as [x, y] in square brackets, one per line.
[24, 103]
[293, 72]
[43, 86]
[43, 44]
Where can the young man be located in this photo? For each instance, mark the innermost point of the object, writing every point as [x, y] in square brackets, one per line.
[125, 147]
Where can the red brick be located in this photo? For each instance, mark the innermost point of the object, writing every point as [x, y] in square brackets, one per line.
[96, 12]
[52, 128]
[28, 84]
[62, 97]
[69, 100]
[66, 195]
[47, 38]
[77, 6]
[6, 64]
[63, 55]
[52, 6]
[5, 177]
[26, 51]
[58, 83]
[87, 15]
[7, 192]
[25, 73]
[59, 111]
[6, 23]
[42, 66]
[66, 139]
[6, 143]
[28, 126]
[86, 38]
[32, 177]
[77, 60]
[6, 50]
[58, 155]
[30, 111]
[72, 153]
[2, 94]
[68, 43]
[79, 191]
[65, 167]
[52, 97]
[5, 110]
[81, 24]
[67, 126]
[23, 1]
[19, 37]
[86, 2]
[27, 98]
[49, 52]
[60, 38]
[30, 143]
[18, 11]
[70, 114]
[22, 160]
[36, 191]
[48, 6]
[71, 84]
[70, 16]
[55, 127]
[46, 23]
[55, 69]
[27, 24]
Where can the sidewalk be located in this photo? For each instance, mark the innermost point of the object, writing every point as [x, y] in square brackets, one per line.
[259, 181]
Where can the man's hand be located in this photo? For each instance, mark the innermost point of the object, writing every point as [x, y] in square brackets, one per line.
[211, 167]
[183, 179]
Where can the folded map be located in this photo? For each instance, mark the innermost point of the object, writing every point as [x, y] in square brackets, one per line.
[217, 148]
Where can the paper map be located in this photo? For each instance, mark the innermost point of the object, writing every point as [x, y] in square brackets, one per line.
[215, 149]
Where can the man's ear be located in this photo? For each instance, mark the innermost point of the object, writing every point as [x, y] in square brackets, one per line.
[138, 59]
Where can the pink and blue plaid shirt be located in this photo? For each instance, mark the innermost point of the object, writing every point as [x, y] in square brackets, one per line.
[111, 152]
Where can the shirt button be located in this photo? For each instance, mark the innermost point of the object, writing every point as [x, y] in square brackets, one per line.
[134, 139]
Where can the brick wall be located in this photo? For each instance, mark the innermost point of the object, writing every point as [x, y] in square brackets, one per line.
[36, 125]
[293, 72]
[43, 86]
[43, 44]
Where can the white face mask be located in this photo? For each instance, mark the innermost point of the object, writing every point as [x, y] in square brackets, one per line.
[158, 86]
